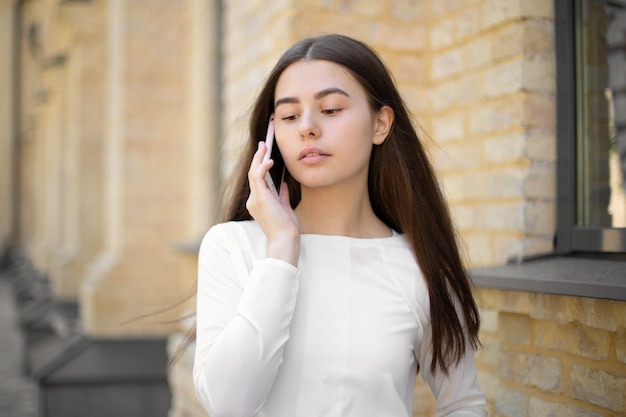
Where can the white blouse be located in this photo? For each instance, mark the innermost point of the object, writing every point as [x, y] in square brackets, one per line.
[340, 335]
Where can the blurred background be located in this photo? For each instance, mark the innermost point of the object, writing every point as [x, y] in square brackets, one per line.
[120, 121]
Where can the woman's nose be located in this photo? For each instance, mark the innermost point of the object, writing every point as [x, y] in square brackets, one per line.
[308, 128]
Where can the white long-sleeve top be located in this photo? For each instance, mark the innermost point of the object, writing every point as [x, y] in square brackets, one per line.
[340, 335]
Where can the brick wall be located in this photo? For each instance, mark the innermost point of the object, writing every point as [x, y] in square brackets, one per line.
[492, 118]
[550, 355]
[143, 166]
[6, 122]
[118, 170]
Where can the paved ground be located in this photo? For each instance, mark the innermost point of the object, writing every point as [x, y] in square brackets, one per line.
[18, 395]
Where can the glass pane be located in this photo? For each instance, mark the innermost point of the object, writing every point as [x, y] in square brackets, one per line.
[601, 148]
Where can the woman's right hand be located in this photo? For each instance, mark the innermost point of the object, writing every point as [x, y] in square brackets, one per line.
[275, 215]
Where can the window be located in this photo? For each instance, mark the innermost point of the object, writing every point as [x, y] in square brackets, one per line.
[591, 89]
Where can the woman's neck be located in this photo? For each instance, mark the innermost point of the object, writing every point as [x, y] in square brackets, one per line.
[339, 212]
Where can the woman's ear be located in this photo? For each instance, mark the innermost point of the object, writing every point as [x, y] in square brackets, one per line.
[382, 124]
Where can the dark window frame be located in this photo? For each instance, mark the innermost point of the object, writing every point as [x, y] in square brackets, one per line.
[576, 268]
[571, 237]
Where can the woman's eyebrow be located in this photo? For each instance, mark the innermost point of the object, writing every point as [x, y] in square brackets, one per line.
[327, 91]
[320, 94]
[286, 100]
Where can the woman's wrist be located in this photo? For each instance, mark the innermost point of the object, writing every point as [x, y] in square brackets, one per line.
[285, 248]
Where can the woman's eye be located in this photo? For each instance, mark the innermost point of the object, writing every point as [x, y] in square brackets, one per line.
[290, 117]
[331, 111]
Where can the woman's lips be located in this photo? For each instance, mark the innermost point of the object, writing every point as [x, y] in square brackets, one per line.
[312, 155]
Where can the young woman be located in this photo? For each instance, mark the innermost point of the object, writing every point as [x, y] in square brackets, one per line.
[329, 299]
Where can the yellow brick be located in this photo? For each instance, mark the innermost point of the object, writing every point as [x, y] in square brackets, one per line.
[499, 115]
[463, 216]
[501, 79]
[602, 314]
[489, 384]
[410, 68]
[309, 22]
[507, 246]
[446, 64]
[479, 248]
[442, 97]
[491, 351]
[556, 308]
[543, 372]
[477, 53]
[536, 245]
[620, 346]
[540, 111]
[515, 328]
[312, 4]
[415, 97]
[450, 127]
[497, 12]
[489, 320]
[540, 217]
[539, 75]
[371, 8]
[540, 407]
[537, 8]
[508, 41]
[454, 187]
[467, 89]
[442, 33]
[516, 301]
[505, 149]
[415, 11]
[441, 8]
[500, 217]
[467, 23]
[511, 403]
[398, 36]
[538, 38]
[506, 184]
[540, 182]
[596, 313]
[541, 145]
[572, 338]
[599, 387]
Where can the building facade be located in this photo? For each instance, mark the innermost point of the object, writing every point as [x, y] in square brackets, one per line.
[120, 121]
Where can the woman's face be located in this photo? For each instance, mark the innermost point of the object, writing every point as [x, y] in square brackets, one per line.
[325, 127]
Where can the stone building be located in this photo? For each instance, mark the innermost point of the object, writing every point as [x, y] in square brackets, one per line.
[120, 120]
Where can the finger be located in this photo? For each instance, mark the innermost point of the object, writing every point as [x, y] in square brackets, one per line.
[257, 158]
[284, 193]
[262, 170]
[258, 177]
[258, 167]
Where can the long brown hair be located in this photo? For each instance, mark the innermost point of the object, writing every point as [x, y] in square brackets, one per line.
[403, 189]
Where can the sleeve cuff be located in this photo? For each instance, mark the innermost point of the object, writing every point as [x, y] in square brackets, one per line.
[266, 263]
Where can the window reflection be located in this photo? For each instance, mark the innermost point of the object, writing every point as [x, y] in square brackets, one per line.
[602, 114]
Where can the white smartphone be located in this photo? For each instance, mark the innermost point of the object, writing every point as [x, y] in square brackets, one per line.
[269, 142]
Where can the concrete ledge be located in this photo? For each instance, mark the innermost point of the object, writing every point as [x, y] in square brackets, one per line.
[580, 277]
